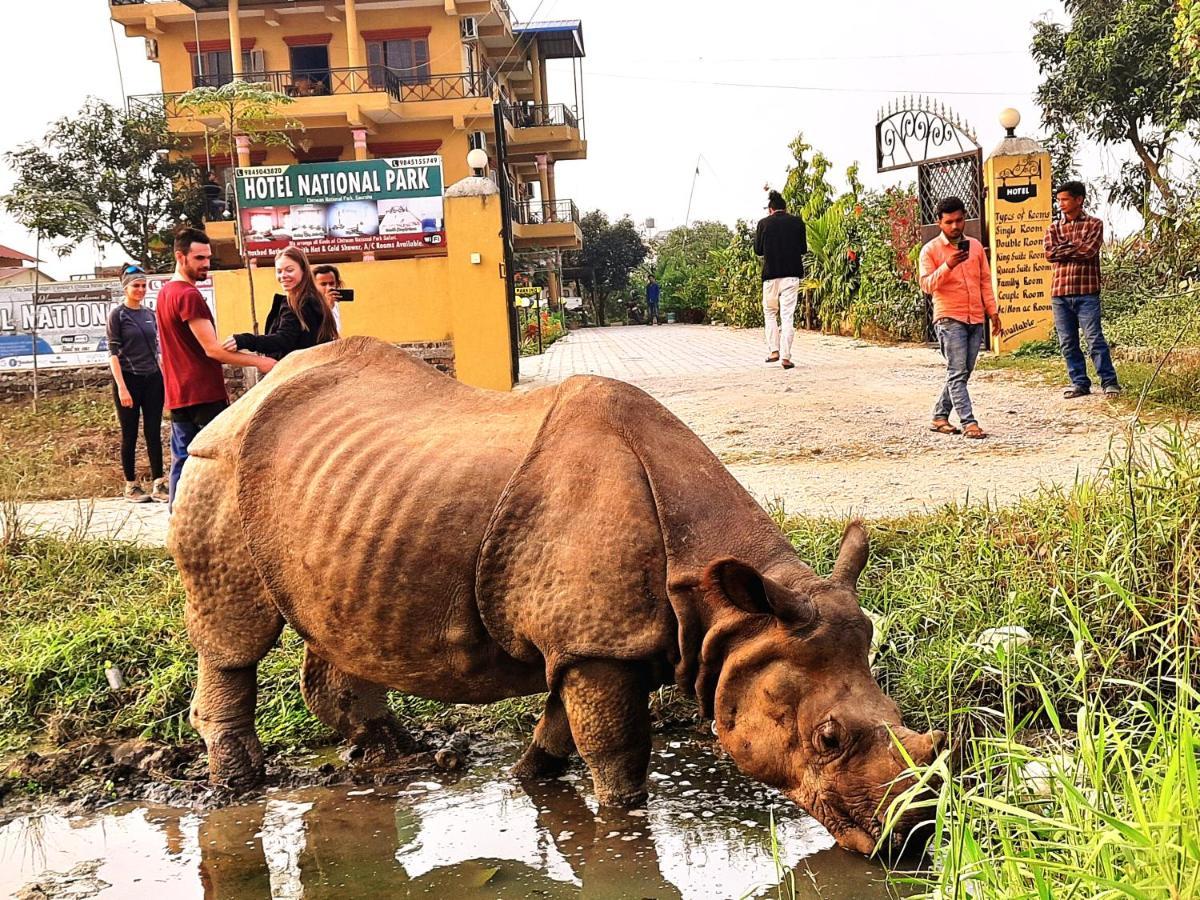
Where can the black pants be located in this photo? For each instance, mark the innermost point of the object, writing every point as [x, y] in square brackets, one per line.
[147, 394]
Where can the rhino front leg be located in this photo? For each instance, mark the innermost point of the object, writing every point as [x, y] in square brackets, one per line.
[608, 707]
[355, 709]
[552, 744]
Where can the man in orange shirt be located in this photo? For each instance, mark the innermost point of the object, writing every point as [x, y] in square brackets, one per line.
[955, 271]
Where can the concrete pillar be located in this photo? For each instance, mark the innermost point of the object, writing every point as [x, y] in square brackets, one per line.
[544, 182]
[479, 292]
[243, 150]
[539, 74]
[235, 39]
[360, 143]
[353, 38]
[550, 181]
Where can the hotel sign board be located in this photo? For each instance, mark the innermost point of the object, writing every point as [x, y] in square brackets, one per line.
[1019, 212]
[360, 206]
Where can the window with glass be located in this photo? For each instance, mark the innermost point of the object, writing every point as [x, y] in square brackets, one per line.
[213, 68]
[408, 59]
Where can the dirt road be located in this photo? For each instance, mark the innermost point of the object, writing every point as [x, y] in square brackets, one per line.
[846, 431]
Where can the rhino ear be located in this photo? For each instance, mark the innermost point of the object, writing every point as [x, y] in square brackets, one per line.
[743, 586]
[852, 557]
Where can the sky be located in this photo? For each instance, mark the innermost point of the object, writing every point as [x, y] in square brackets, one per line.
[668, 88]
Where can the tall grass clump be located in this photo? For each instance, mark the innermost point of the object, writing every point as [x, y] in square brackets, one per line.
[1075, 767]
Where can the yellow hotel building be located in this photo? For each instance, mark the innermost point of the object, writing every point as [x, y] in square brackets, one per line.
[388, 78]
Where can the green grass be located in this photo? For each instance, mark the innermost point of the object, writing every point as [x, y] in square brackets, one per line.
[1176, 389]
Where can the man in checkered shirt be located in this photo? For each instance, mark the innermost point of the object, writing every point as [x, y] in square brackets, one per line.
[1073, 248]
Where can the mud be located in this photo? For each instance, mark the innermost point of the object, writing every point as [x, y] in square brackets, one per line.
[91, 775]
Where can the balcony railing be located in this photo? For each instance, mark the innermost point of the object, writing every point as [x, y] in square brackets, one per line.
[301, 83]
[539, 212]
[534, 116]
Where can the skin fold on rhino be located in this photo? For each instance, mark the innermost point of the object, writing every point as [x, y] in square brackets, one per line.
[466, 546]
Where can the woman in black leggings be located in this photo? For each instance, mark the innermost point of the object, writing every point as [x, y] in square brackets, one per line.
[137, 385]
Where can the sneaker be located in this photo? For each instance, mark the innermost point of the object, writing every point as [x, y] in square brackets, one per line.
[1112, 390]
[160, 492]
[134, 493]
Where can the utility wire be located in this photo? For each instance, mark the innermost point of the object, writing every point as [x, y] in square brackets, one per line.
[772, 59]
[798, 87]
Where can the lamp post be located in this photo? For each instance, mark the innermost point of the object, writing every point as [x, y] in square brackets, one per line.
[1009, 120]
[477, 159]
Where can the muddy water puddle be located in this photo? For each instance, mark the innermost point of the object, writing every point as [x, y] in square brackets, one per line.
[705, 834]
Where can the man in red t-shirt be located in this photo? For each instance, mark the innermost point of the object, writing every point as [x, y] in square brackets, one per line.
[193, 380]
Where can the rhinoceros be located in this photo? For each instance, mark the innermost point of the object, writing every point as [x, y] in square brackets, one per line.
[465, 546]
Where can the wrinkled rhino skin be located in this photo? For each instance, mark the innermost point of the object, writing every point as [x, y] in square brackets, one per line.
[466, 546]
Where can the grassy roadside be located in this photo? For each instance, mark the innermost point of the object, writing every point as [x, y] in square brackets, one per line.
[1175, 390]
[69, 448]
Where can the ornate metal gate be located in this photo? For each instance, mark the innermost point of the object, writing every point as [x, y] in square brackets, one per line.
[921, 132]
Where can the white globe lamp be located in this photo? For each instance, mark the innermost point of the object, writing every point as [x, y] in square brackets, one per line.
[477, 159]
[1009, 120]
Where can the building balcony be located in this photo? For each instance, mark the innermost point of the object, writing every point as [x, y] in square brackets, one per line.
[329, 97]
[551, 129]
[545, 224]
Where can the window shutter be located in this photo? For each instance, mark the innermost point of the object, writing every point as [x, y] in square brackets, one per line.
[375, 63]
[421, 60]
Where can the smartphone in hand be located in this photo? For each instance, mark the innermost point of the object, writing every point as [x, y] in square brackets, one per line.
[964, 246]
[345, 295]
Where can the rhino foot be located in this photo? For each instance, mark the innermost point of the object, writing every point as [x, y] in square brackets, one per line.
[235, 760]
[381, 742]
[539, 763]
[621, 799]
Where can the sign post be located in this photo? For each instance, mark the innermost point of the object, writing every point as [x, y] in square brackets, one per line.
[361, 206]
[1019, 210]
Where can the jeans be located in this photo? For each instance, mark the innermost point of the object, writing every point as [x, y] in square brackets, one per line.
[1083, 311]
[652, 311]
[147, 394]
[779, 314]
[960, 345]
[186, 423]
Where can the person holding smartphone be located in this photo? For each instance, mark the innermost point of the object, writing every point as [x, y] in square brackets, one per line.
[955, 271]
[329, 282]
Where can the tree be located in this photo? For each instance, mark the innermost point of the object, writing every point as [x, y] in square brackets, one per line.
[807, 192]
[611, 251]
[117, 163]
[1110, 77]
[240, 108]
[684, 265]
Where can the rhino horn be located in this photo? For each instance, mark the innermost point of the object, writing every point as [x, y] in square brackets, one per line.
[852, 556]
[751, 591]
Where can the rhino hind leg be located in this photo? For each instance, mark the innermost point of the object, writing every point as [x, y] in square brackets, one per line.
[552, 744]
[231, 620]
[608, 707]
[356, 709]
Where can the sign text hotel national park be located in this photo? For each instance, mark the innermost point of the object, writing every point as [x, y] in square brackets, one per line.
[367, 206]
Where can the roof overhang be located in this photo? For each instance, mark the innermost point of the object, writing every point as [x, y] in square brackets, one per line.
[562, 39]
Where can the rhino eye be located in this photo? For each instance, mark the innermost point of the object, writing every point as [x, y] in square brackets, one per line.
[828, 738]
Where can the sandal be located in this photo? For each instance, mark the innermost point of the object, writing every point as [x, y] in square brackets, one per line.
[943, 426]
[974, 432]
[774, 357]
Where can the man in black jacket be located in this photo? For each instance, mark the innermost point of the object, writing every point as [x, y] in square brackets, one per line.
[781, 242]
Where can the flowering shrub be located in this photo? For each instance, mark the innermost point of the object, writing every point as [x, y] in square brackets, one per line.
[735, 292]
[552, 330]
[889, 234]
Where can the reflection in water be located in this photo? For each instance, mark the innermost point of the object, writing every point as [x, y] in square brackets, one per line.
[704, 834]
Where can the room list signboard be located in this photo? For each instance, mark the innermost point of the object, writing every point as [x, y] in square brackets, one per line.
[361, 206]
[1019, 211]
